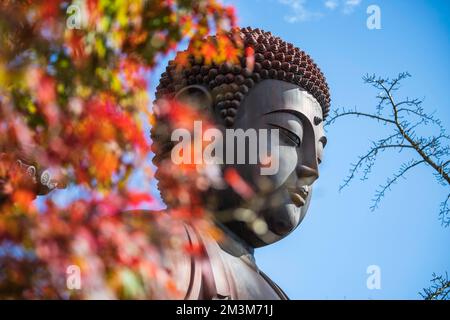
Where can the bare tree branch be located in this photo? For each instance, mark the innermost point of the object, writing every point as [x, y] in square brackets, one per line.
[358, 114]
[368, 157]
[405, 118]
[404, 168]
[439, 289]
[444, 214]
[409, 138]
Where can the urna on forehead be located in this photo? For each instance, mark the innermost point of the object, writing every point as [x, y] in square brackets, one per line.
[230, 83]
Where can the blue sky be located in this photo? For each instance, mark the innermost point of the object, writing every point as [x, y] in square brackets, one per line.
[328, 255]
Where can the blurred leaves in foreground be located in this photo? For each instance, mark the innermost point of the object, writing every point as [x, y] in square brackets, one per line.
[73, 93]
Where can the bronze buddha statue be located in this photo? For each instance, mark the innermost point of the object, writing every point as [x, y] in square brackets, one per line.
[281, 88]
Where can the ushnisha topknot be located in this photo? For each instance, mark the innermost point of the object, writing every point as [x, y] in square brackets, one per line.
[229, 83]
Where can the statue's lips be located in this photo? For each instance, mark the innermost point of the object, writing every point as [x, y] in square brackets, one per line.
[297, 199]
[298, 196]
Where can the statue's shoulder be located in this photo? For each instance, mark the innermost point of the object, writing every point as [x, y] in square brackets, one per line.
[172, 237]
[197, 265]
[189, 260]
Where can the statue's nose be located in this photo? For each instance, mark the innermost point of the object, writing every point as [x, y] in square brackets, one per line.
[307, 174]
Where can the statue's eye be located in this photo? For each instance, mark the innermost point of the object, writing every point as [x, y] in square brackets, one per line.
[292, 137]
[288, 135]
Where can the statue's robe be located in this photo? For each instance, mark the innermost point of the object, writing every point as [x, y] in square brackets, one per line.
[222, 275]
[223, 271]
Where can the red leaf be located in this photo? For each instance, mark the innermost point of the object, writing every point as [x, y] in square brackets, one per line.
[238, 184]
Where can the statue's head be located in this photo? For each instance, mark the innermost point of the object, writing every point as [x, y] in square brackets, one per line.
[281, 93]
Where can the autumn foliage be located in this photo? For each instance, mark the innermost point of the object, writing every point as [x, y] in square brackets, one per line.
[73, 100]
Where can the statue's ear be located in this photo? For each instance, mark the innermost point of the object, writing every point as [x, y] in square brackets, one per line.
[195, 96]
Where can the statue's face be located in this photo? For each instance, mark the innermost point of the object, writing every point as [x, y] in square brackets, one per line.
[280, 199]
[283, 197]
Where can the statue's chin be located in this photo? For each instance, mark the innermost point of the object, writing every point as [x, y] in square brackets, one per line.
[280, 222]
[280, 215]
